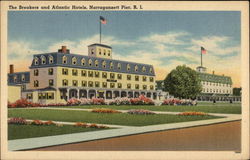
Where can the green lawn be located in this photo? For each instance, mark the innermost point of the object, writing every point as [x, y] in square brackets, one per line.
[105, 118]
[208, 108]
[30, 131]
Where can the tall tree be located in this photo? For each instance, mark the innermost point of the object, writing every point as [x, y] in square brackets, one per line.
[183, 82]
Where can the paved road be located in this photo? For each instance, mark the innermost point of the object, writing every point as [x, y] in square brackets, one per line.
[218, 137]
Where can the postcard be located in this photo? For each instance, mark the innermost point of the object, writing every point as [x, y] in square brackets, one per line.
[124, 80]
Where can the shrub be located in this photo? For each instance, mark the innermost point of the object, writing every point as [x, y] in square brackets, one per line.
[17, 120]
[119, 101]
[105, 110]
[85, 101]
[140, 111]
[142, 100]
[193, 114]
[98, 101]
[73, 101]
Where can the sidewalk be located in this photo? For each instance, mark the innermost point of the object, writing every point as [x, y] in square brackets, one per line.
[31, 143]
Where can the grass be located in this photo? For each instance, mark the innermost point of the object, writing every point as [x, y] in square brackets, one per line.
[105, 118]
[208, 108]
[30, 131]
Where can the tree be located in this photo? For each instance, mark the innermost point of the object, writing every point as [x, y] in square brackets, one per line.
[183, 82]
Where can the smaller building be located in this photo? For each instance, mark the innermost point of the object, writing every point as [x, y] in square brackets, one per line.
[14, 93]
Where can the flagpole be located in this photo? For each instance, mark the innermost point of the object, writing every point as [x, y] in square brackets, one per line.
[201, 57]
[100, 31]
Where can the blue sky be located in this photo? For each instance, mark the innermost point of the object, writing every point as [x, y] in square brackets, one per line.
[162, 38]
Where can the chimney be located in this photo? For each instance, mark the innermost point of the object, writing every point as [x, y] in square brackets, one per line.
[64, 50]
[11, 68]
[213, 72]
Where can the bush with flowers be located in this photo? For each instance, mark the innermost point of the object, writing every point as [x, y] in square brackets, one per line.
[17, 120]
[119, 101]
[105, 110]
[140, 111]
[85, 125]
[192, 113]
[142, 100]
[98, 101]
[175, 101]
[24, 103]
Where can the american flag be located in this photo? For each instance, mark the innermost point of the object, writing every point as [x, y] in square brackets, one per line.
[203, 50]
[103, 20]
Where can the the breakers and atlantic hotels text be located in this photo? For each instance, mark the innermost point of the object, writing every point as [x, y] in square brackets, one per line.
[75, 7]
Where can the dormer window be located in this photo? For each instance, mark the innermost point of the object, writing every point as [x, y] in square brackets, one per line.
[143, 69]
[15, 79]
[151, 70]
[109, 53]
[83, 62]
[36, 61]
[111, 65]
[74, 60]
[96, 63]
[92, 51]
[43, 59]
[128, 67]
[51, 59]
[90, 62]
[119, 66]
[104, 52]
[136, 68]
[64, 60]
[23, 77]
[104, 64]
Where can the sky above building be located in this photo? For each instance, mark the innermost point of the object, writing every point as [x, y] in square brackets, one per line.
[164, 39]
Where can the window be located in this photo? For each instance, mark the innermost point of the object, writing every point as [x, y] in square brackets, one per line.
[144, 78]
[112, 85]
[84, 73]
[137, 86]
[96, 63]
[104, 74]
[84, 83]
[111, 65]
[104, 52]
[119, 66]
[90, 73]
[50, 71]
[119, 76]
[128, 77]
[100, 51]
[143, 69]
[74, 60]
[144, 87]
[90, 62]
[74, 83]
[65, 82]
[119, 85]
[90, 84]
[104, 84]
[42, 96]
[64, 60]
[112, 75]
[74, 72]
[104, 64]
[97, 74]
[129, 86]
[65, 71]
[36, 83]
[36, 61]
[92, 51]
[128, 67]
[136, 68]
[108, 52]
[43, 59]
[51, 82]
[50, 95]
[51, 59]
[29, 96]
[151, 79]
[36, 72]
[97, 84]
[136, 78]
[151, 87]
[83, 62]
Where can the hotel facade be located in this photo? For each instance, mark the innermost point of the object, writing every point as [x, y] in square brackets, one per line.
[58, 76]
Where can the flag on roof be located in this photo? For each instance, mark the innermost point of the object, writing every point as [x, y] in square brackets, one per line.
[103, 20]
[203, 50]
